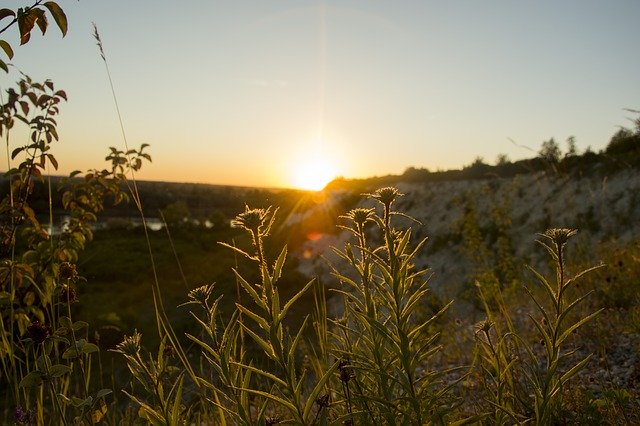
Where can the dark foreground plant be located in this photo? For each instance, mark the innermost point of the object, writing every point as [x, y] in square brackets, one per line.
[527, 381]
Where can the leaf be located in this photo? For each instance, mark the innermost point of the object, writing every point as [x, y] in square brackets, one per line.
[6, 13]
[262, 373]
[59, 370]
[88, 348]
[103, 392]
[316, 390]
[32, 379]
[53, 161]
[291, 301]
[4, 66]
[272, 397]
[7, 48]
[26, 21]
[16, 152]
[41, 20]
[277, 268]
[70, 353]
[79, 325]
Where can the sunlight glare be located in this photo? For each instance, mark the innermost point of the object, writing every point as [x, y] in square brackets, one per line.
[313, 173]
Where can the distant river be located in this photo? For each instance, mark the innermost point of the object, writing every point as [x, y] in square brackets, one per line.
[60, 222]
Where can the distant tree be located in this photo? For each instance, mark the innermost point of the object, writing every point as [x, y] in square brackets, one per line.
[218, 220]
[623, 141]
[502, 159]
[550, 151]
[176, 214]
[478, 162]
[414, 174]
[572, 149]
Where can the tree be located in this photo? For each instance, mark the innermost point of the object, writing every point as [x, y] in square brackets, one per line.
[502, 159]
[572, 150]
[550, 151]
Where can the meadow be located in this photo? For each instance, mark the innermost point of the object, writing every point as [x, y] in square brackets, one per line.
[212, 319]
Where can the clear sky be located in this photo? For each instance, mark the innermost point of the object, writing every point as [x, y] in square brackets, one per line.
[240, 92]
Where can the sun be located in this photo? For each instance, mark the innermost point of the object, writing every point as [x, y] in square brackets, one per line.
[313, 172]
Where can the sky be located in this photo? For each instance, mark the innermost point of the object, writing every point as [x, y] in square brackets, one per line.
[272, 92]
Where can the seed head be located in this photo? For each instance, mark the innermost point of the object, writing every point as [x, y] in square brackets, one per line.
[346, 372]
[272, 420]
[68, 294]
[67, 271]
[38, 332]
[484, 326]
[201, 294]
[360, 216]
[130, 345]
[386, 195]
[560, 235]
[252, 220]
[323, 400]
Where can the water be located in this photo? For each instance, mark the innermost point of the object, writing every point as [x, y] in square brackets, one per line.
[61, 222]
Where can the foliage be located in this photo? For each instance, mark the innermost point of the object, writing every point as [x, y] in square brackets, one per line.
[27, 18]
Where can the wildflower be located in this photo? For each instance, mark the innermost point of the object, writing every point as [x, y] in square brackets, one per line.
[67, 271]
[21, 416]
[130, 346]
[68, 294]
[386, 195]
[169, 351]
[360, 216]
[560, 235]
[323, 400]
[346, 373]
[201, 294]
[252, 220]
[38, 332]
[484, 326]
[272, 420]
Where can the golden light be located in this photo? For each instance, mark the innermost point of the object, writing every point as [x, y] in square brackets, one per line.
[313, 172]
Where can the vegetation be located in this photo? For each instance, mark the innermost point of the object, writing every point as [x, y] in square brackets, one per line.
[264, 345]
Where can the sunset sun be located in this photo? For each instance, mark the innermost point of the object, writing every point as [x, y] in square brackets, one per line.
[313, 172]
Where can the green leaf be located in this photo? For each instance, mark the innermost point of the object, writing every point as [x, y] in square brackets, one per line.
[317, 388]
[272, 397]
[32, 379]
[290, 303]
[574, 370]
[260, 372]
[257, 318]
[266, 347]
[58, 16]
[103, 392]
[249, 289]
[70, 353]
[277, 268]
[7, 48]
[88, 348]
[176, 392]
[59, 370]
[79, 325]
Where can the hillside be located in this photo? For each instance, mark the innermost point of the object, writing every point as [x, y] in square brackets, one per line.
[486, 226]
